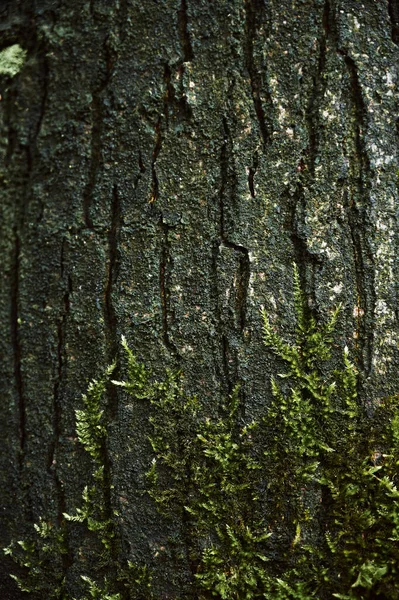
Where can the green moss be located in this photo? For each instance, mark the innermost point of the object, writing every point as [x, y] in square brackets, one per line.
[40, 555]
[91, 432]
[40, 558]
[340, 470]
[300, 504]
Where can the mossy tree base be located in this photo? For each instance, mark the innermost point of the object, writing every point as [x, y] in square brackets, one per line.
[162, 164]
[299, 504]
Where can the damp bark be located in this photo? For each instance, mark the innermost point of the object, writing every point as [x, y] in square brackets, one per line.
[162, 168]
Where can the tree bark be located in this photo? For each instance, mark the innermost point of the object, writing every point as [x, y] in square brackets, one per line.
[163, 164]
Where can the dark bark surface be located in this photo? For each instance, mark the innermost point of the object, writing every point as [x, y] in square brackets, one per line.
[163, 163]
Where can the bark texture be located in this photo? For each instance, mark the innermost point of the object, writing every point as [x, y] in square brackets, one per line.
[163, 163]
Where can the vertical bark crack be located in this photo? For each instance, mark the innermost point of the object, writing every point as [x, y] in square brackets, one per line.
[188, 53]
[57, 408]
[140, 173]
[168, 94]
[168, 100]
[253, 12]
[98, 114]
[308, 262]
[27, 149]
[242, 285]
[319, 85]
[182, 111]
[45, 85]
[393, 11]
[174, 105]
[251, 175]
[243, 274]
[91, 8]
[244, 264]
[359, 229]
[112, 274]
[358, 191]
[110, 320]
[16, 345]
[123, 19]
[223, 372]
[113, 264]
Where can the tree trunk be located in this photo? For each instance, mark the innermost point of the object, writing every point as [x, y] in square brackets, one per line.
[163, 164]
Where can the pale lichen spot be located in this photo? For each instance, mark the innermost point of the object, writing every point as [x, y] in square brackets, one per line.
[337, 289]
[282, 113]
[12, 60]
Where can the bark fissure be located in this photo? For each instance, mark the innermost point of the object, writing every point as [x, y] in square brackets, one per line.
[112, 271]
[91, 9]
[33, 151]
[140, 173]
[253, 13]
[16, 345]
[182, 111]
[178, 100]
[207, 216]
[359, 226]
[319, 85]
[98, 114]
[224, 188]
[243, 274]
[26, 153]
[167, 100]
[393, 10]
[364, 341]
[57, 411]
[223, 371]
[60, 364]
[53, 468]
[61, 337]
[110, 318]
[303, 256]
[188, 53]
[226, 361]
[307, 262]
[357, 201]
[251, 175]
[330, 24]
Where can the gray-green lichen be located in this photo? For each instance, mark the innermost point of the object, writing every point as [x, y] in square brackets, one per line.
[12, 60]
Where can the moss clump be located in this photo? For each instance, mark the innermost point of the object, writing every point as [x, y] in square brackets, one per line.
[40, 559]
[340, 471]
[92, 433]
[39, 556]
[300, 504]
